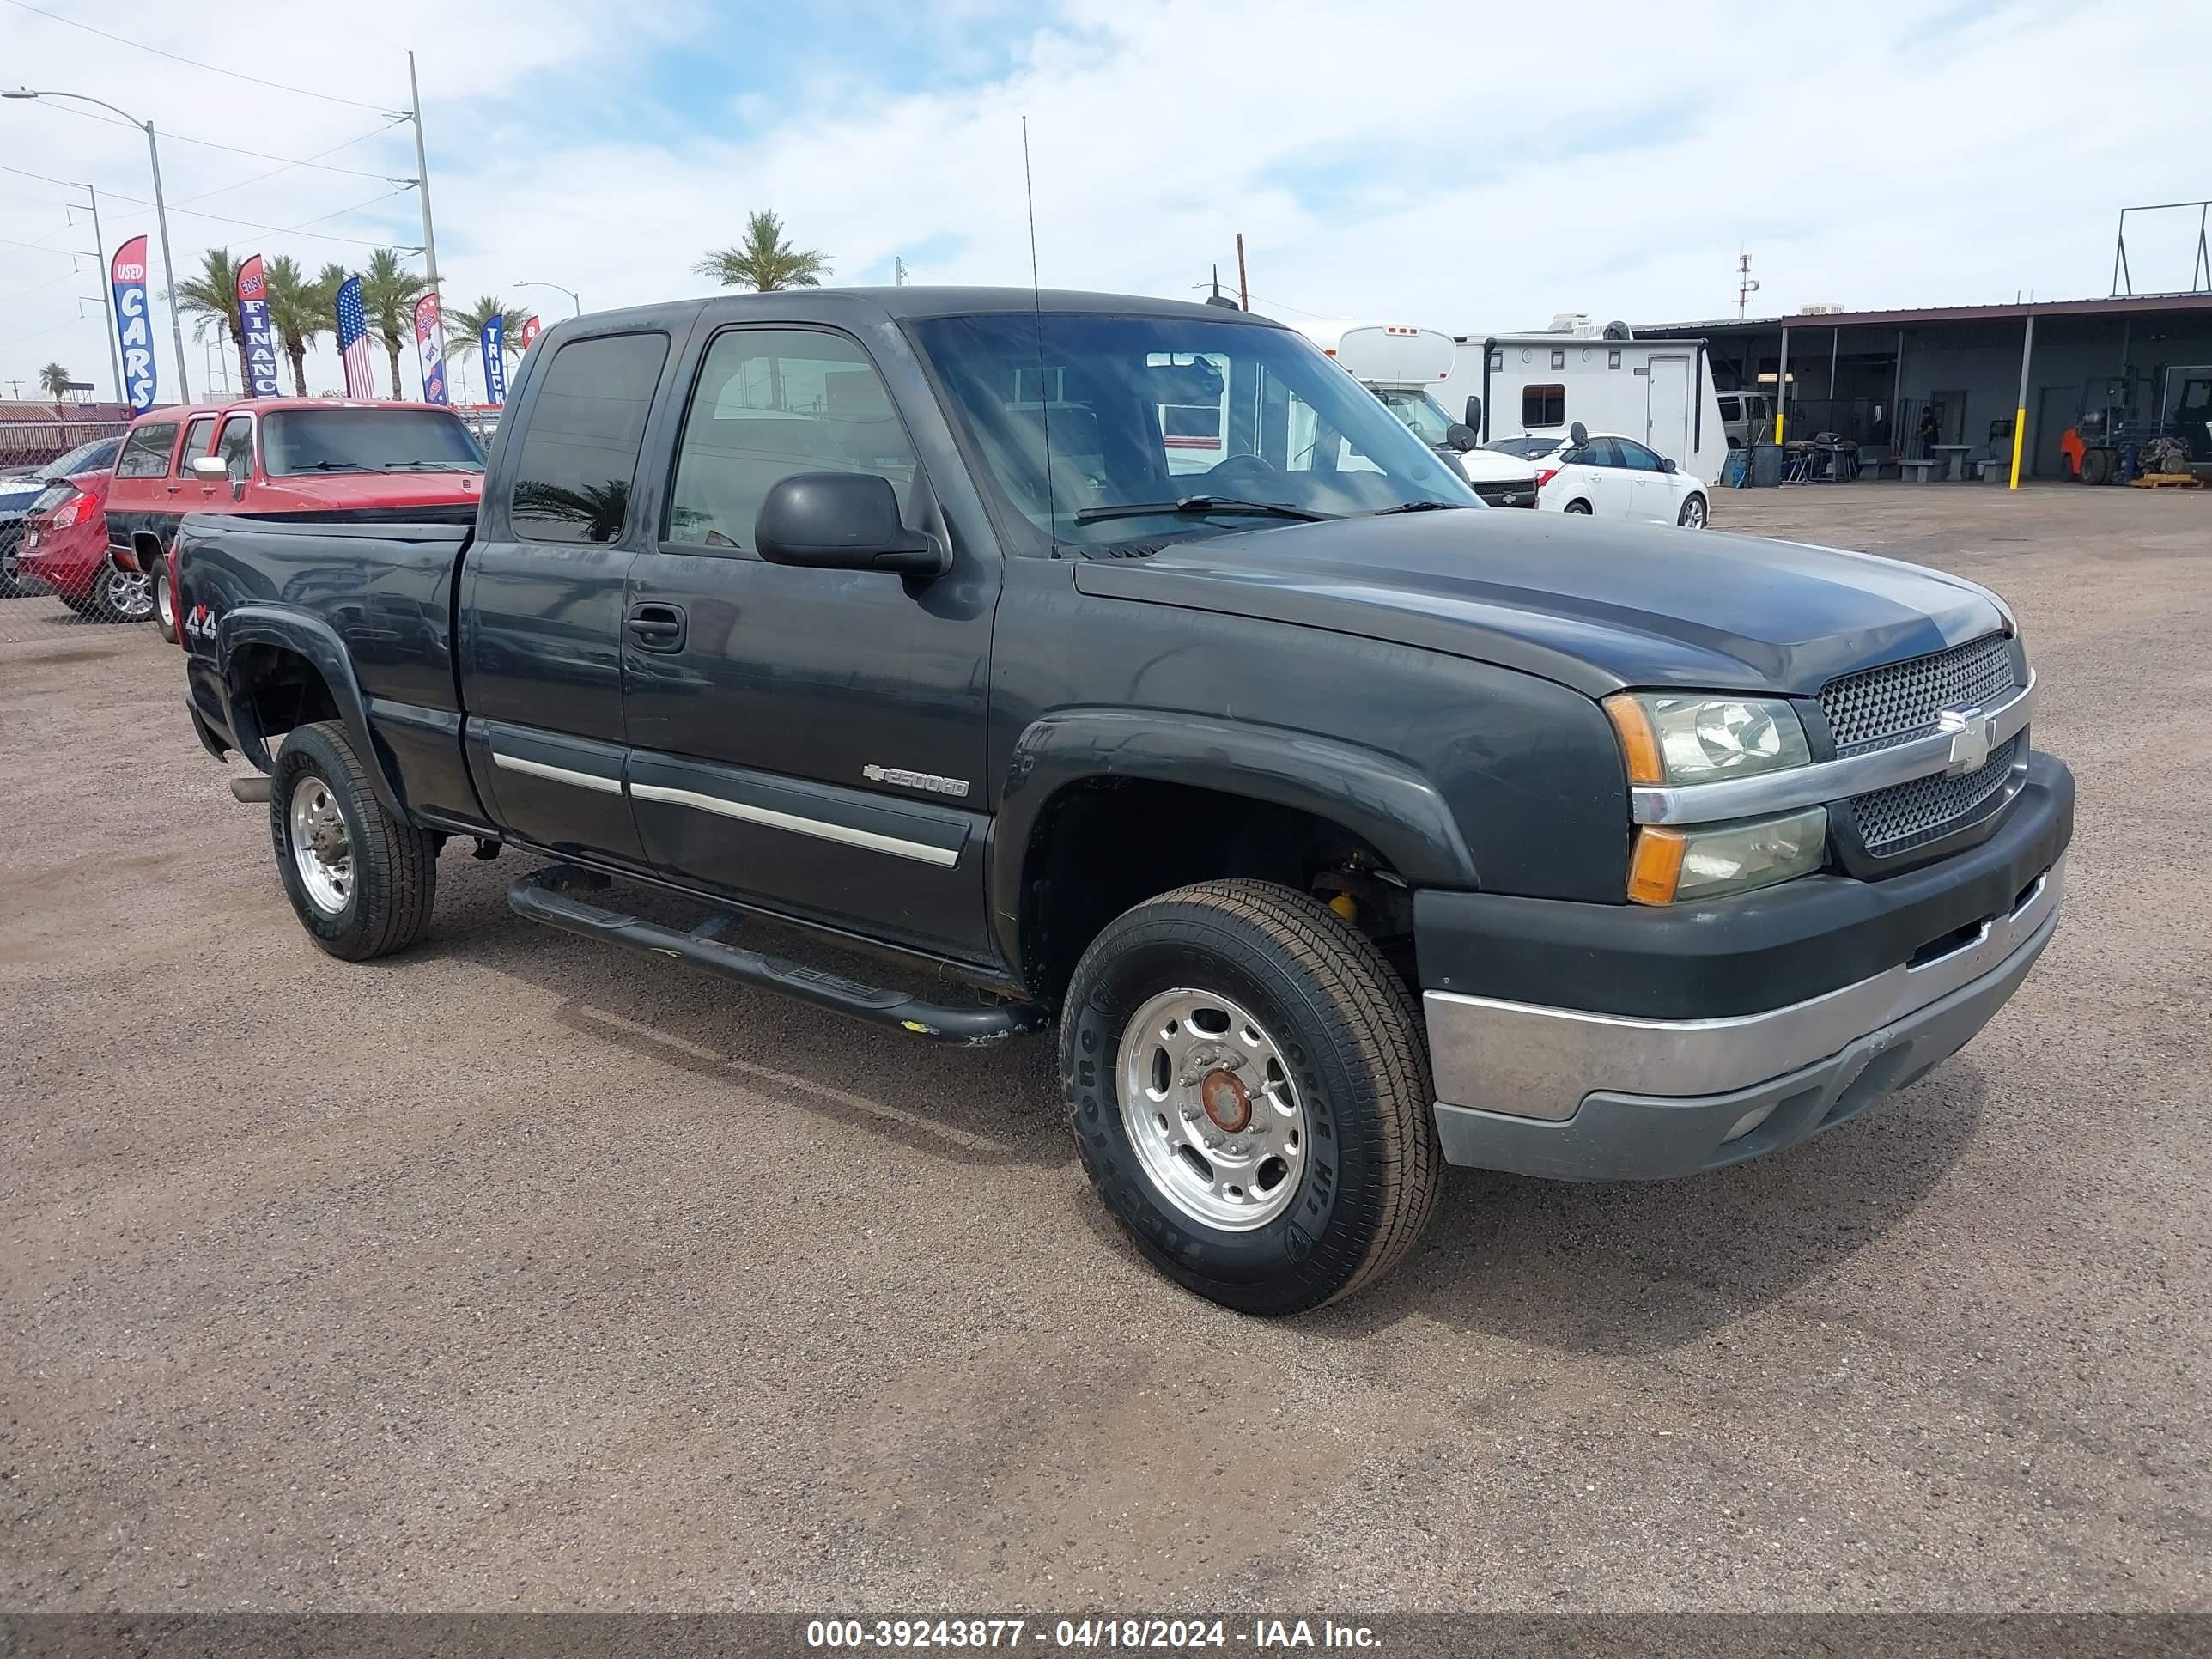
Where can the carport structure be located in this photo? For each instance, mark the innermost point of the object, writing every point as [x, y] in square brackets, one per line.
[1873, 376]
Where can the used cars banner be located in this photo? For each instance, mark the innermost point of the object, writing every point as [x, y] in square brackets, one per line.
[127, 274]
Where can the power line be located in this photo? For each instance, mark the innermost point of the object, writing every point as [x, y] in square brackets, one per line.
[225, 219]
[212, 69]
[9, 299]
[235, 149]
[309, 162]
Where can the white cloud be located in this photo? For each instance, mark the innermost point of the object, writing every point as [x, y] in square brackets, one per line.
[1450, 165]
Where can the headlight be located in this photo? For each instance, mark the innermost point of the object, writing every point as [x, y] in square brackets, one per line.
[1714, 859]
[1670, 739]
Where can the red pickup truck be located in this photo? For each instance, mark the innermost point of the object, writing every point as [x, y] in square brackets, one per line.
[284, 458]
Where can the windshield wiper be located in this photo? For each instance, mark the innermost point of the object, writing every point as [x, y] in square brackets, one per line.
[1417, 506]
[1200, 506]
[430, 466]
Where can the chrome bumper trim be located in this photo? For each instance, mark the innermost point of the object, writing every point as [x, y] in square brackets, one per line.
[1836, 779]
[1520, 1059]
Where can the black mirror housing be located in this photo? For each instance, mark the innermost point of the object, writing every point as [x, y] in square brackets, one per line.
[1578, 433]
[1474, 412]
[841, 521]
[1666, 465]
[1462, 437]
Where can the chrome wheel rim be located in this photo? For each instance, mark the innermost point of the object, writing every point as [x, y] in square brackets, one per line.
[1210, 1111]
[322, 846]
[131, 594]
[1693, 515]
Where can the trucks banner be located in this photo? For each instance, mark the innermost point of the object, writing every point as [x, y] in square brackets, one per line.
[253, 328]
[425, 342]
[127, 274]
[492, 338]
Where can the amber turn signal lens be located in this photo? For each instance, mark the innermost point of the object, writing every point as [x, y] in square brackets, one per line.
[1655, 867]
[1639, 744]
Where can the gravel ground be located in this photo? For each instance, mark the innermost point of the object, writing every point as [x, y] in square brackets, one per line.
[517, 1272]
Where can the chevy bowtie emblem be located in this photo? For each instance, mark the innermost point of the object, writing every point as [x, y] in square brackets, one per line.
[1969, 732]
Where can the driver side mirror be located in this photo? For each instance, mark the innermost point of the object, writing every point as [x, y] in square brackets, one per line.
[1462, 438]
[842, 521]
[1666, 465]
[1474, 414]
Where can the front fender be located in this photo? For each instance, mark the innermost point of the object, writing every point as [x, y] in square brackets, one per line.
[1380, 798]
[318, 644]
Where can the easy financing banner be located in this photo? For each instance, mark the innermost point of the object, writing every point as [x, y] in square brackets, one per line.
[493, 339]
[426, 343]
[253, 328]
[126, 274]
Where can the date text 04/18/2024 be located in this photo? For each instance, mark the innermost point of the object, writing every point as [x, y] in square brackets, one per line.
[1154, 1634]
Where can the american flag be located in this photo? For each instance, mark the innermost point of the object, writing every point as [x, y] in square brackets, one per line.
[353, 340]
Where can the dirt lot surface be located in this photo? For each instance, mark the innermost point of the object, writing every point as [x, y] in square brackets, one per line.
[518, 1273]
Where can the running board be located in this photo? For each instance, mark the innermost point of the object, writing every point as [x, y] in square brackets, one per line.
[543, 896]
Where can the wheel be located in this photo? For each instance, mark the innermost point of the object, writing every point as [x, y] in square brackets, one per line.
[1582, 507]
[1693, 513]
[117, 596]
[2096, 466]
[165, 601]
[1250, 1095]
[361, 881]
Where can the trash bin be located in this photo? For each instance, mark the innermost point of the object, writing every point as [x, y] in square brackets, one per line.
[1766, 467]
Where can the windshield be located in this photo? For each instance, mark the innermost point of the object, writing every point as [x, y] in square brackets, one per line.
[297, 440]
[1422, 417]
[1164, 411]
[1528, 449]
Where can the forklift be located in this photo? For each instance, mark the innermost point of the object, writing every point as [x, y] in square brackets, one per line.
[2115, 440]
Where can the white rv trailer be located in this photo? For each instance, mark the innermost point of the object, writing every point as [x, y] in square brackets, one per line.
[1660, 391]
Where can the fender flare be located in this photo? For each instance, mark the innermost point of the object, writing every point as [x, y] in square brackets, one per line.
[147, 552]
[1380, 798]
[318, 643]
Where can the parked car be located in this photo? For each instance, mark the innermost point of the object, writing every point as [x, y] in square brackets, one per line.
[1343, 832]
[19, 490]
[318, 456]
[1609, 477]
[65, 552]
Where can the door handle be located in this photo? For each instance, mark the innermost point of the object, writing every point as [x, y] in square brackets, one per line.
[658, 626]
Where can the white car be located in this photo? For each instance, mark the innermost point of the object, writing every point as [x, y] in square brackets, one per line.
[1610, 477]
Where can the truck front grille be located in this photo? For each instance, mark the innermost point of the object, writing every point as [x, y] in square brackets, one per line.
[1877, 708]
[1918, 811]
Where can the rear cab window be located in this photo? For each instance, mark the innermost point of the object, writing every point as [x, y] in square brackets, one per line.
[579, 444]
[145, 452]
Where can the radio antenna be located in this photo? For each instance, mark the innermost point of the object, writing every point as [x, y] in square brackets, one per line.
[1036, 313]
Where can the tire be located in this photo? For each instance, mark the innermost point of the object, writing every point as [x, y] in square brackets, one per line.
[2096, 466]
[1339, 1040]
[116, 596]
[390, 867]
[165, 601]
[1693, 516]
[1582, 507]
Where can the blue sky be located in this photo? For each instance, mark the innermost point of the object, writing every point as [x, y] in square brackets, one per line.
[1460, 166]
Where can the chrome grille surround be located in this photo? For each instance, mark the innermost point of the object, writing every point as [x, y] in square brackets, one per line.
[1876, 707]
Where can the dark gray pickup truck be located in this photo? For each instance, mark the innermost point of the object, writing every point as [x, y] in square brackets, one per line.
[1346, 828]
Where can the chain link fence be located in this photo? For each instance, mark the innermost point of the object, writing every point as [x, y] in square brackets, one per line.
[53, 531]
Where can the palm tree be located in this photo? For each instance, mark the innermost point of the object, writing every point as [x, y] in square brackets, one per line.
[388, 292]
[765, 260]
[209, 297]
[56, 379]
[300, 309]
[464, 328]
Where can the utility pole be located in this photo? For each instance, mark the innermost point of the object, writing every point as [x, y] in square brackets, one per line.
[423, 184]
[1243, 294]
[108, 288]
[898, 271]
[1746, 284]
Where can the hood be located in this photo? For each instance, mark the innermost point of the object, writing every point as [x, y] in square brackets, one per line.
[1489, 466]
[353, 492]
[1593, 604]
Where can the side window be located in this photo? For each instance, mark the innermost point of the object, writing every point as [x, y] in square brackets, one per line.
[572, 482]
[1542, 406]
[235, 445]
[145, 452]
[770, 402]
[1636, 458]
[1729, 411]
[195, 443]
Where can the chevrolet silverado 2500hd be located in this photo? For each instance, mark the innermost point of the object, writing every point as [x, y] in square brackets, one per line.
[1344, 829]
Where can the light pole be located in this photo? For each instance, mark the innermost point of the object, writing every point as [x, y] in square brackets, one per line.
[161, 216]
[570, 292]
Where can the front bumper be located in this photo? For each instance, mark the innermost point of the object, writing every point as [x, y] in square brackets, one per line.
[1578, 1094]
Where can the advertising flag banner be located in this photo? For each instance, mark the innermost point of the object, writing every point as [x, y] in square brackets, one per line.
[253, 328]
[354, 347]
[426, 343]
[126, 274]
[493, 339]
[529, 335]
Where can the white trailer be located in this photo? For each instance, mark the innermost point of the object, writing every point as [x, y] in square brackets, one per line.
[1658, 392]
